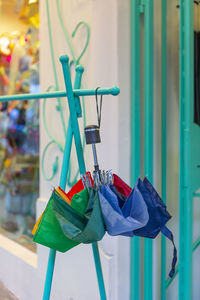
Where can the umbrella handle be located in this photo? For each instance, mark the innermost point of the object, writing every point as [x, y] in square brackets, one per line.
[92, 136]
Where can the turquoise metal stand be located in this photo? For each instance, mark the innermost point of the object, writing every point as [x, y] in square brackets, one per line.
[73, 130]
[63, 179]
[79, 151]
[164, 135]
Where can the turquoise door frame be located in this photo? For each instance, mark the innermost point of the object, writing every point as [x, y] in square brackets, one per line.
[136, 136]
[189, 157]
[148, 131]
[186, 74]
[163, 136]
[146, 8]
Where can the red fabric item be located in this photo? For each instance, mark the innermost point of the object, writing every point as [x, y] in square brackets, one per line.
[78, 187]
[121, 186]
[62, 190]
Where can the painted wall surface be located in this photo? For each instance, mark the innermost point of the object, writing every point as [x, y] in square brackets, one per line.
[106, 64]
[102, 64]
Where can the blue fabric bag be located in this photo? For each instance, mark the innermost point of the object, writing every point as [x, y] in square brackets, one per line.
[118, 221]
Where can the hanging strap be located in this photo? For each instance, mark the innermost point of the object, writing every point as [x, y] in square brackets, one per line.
[97, 107]
[170, 236]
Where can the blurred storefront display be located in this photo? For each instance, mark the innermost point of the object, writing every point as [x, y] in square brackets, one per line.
[19, 120]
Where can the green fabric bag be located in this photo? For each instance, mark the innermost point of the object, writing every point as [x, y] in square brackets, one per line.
[83, 229]
[49, 232]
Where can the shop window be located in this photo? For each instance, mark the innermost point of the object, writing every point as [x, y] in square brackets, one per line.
[19, 120]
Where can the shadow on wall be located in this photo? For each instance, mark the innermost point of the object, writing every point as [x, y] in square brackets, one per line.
[5, 294]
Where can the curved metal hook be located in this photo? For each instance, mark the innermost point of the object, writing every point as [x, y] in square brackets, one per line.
[55, 164]
[75, 62]
[51, 87]
[87, 40]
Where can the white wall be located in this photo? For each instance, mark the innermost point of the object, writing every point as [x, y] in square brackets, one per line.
[103, 62]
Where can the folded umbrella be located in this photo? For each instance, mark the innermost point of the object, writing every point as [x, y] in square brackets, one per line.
[121, 186]
[158, 217]
[120, 203]
[67, 197]
[158, 214]
[47, 230]
[64, 223]
[79, 186]
[87, 225]
[117, 220]
[121, 198]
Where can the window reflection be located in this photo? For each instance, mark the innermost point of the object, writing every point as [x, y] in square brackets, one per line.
[19, 120]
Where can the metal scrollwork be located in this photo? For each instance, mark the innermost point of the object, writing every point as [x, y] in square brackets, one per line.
[75, 61]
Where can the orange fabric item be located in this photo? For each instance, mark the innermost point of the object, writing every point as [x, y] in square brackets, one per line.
[36, 224]
[63, 195]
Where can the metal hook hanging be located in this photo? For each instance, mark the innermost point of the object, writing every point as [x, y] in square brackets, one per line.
[97, 107]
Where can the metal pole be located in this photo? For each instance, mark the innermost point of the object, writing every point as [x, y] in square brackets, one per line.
[67, 152]
[148, 115]
[135, 137]
[74, 122]
[164, 136]
[82, 92]
[63, 180]
[185, 194]
[96, 165]
[49, 274]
